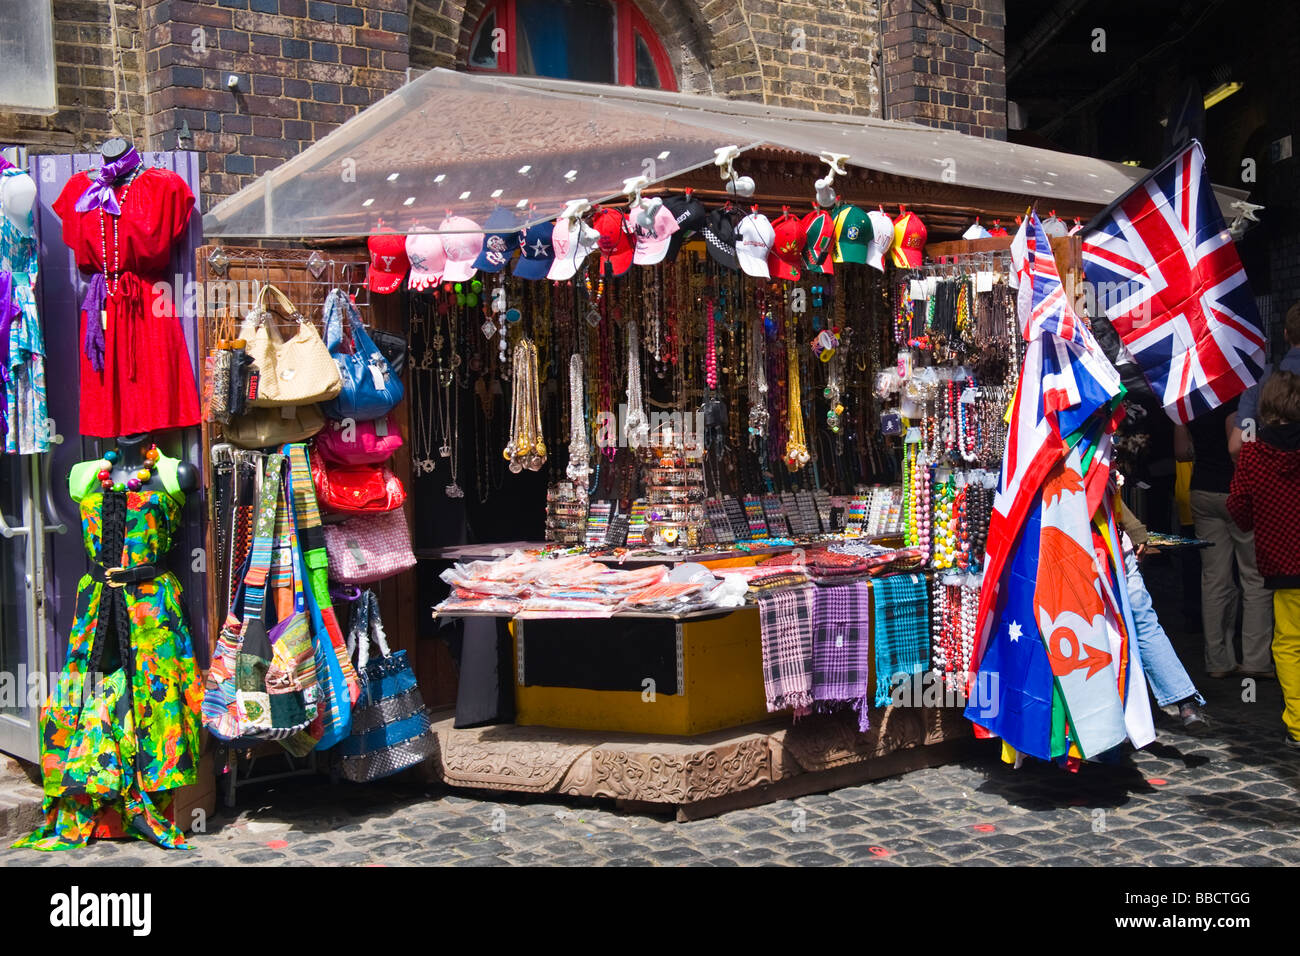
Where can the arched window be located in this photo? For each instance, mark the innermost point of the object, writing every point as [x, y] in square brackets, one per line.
[600, 41]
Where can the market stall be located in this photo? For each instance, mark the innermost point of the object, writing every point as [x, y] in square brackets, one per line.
[746, 409]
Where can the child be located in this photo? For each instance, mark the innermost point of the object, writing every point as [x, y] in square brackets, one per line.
[1265, 496]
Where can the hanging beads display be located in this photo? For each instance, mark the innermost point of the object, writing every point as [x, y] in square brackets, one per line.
[796, 448]
[526, 448]
[579, 468]
[638, 426]
[944, 523]
[758, 413]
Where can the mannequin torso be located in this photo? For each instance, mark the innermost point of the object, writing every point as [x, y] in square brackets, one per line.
[18, 197]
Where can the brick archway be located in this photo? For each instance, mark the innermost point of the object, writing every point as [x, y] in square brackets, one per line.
[709, 41]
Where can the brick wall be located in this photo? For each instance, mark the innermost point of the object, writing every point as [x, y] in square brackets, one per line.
[304, 67]
[937, 76]
[88, 106]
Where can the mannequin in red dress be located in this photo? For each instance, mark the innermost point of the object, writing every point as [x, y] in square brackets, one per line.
[141, 378]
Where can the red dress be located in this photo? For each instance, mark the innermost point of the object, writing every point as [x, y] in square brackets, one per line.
[147, 380]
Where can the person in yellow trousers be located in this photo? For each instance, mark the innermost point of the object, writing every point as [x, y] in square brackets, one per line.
[1265, 496]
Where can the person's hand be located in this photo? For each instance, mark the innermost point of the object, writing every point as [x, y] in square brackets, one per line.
[1142, 551]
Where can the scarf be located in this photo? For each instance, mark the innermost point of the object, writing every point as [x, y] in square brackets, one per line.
[128, 311]
[99, 194]
[901, 612]
[842, 648]
[785, 618]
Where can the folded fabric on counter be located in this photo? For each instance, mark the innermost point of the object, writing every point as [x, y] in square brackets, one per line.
[901, 615]
[841, 648]
[785, 619]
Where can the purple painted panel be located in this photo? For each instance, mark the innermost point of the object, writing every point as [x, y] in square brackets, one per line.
[61, 287]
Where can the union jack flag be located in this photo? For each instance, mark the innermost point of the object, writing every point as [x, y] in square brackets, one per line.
[1167, 275]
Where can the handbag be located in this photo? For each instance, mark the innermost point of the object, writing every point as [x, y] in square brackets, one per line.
[356, 489]
[370, 386]
[262, 684]
[359, 443]
[295, 371]
[369, 548]
[391, 730]
[339, 687]
[265, 427]
[393, 347]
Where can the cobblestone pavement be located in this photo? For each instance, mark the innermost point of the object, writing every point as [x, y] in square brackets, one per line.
[1225, 796]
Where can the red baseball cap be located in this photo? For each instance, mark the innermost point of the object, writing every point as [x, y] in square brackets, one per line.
[617, 243]
[791, 235]
[388, 262]
[819, 241]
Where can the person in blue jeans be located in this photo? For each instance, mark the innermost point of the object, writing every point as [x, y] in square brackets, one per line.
[1169, 680]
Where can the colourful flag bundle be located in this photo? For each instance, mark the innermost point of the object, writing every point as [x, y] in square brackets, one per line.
[1055, 629]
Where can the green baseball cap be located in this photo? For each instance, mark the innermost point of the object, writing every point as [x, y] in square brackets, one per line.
[852, 234]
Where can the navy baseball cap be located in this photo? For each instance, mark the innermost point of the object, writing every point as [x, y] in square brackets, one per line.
[500, 241]
[536, 253]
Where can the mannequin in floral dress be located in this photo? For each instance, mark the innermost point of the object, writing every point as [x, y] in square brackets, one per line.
[111, 752]
[122, 222]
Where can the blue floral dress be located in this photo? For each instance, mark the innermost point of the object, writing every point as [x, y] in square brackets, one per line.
[22, 344]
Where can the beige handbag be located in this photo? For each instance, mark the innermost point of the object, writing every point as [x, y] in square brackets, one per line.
[267, 427]
[295, 371]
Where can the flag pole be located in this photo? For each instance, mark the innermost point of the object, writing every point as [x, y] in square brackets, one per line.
[1096, 220]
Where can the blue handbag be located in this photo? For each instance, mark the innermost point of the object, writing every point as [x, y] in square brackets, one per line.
[370, 386]
[391, 729]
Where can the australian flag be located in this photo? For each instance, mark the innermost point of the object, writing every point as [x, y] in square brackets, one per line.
[1167, 275]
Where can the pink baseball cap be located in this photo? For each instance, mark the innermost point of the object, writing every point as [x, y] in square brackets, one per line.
[652, 244]
[462, 240]
[428, 259]
[571, 252]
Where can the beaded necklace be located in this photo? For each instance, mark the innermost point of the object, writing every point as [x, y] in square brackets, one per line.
[113, 274]
[796, 449]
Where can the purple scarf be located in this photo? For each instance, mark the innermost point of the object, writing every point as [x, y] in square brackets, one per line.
[99, 194]
[5, 164]
[841, 657]
[93, 304]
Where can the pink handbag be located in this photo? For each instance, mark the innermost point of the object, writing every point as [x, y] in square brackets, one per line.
[359, 443]
[369, 547]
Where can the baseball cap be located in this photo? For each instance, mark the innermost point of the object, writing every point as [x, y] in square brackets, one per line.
[571, 242]
[852, 234]
[882, 239]
[1055, 228]
[652, 244]
[388, 262]
[500, 241]
[615, 242]
[462, 240]
[719, 233]
[787, 250]
[976, 231]
[428, 259]
[690, 216]
[819, 242]
[754, 241]
[536, 251]
[909, 240]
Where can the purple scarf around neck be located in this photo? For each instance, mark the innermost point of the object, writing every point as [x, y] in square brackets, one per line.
[99, 194]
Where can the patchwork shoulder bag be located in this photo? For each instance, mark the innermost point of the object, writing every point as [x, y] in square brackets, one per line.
[262, 683]
[391, 730]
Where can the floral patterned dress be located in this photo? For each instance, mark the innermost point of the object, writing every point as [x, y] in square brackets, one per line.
[22, 342]
[115, 746]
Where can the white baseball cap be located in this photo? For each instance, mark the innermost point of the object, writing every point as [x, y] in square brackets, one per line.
[571, 253]
[755, 238]
[462, 240]
[882, 238]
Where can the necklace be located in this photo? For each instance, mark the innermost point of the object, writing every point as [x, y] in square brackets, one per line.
[796, 449]
[638, 427]
[113, 274]
[711, 349]
[136, 481]
[526, 448]
[579, 468]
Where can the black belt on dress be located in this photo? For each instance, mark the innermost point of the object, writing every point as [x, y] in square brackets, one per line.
[121, 577]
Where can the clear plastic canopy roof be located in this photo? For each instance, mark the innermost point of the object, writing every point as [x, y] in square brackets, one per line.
[461, 144]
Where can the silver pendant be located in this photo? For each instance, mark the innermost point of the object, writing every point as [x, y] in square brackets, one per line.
[454, 490]
[445, 451]
[593, 318]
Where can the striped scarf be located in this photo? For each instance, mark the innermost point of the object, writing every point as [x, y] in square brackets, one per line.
[786, 623]
[901, 611]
